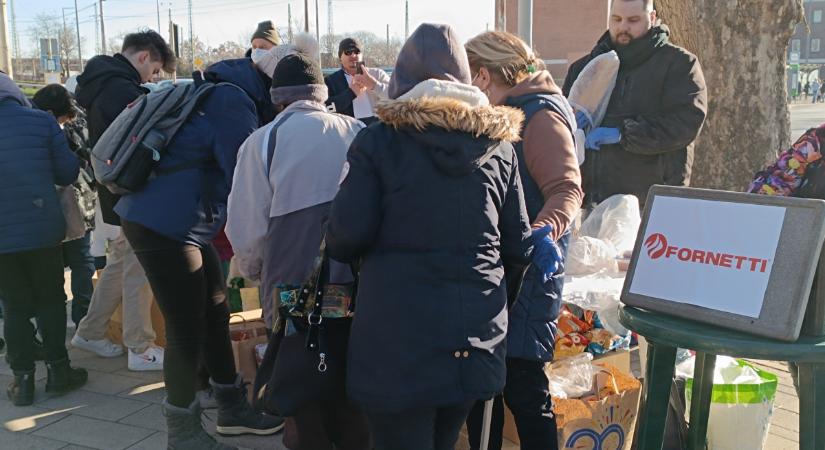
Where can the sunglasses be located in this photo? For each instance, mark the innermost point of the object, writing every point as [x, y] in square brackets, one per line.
[352, 52]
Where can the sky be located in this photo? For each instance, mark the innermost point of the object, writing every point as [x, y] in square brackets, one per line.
[217, 21]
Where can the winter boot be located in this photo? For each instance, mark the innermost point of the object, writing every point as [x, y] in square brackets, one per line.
[186, 431]
[236, 416]
[63, 378]
[21, 389]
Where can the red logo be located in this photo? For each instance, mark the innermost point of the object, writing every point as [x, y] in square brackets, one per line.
[657, 247]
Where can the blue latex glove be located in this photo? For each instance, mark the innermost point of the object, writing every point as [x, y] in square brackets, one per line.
[547, 257]
[601, 136]
[582, 122]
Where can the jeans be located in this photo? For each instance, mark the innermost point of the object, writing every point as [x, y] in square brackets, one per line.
[32, 285]
[419, 429]
[527, 396]
[190, 290]
[76, 257]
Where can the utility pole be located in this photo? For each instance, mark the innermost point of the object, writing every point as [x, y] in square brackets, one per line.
[97, 32]
[330, 27]
[102, 31]
[306, 16]
[77, 28]
[60, 36]
[191, 38]
[388, 40]
[501, 15]
[289, 19]
[406, 20]
[157, 5]
[525, 21]
[5, 56]
[318, 32]
[14, 41]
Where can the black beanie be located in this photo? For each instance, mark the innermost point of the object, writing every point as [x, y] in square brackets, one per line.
[296, 70]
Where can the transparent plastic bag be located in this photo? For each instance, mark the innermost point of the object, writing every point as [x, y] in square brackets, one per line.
[571, 377]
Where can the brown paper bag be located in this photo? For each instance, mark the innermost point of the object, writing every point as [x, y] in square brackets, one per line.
[605, 421]
[115, 331]
[245, 335]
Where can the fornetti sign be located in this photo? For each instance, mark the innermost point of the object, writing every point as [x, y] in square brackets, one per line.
[734, 260]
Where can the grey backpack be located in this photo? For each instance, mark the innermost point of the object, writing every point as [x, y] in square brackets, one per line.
[127, 154]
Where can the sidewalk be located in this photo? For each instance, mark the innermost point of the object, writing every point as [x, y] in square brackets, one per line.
[117, 409]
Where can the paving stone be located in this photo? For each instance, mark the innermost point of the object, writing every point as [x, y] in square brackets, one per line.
[27, 418]
[150, 417]
[90, 404]
[152, 376]
[97, 434]
[94, 362]
[109, 383]
[25, 441]
[78, 447]
[150, 393]
[156, 441]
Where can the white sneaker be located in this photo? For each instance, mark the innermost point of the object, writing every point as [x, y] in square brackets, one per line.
[151, 359]
[101, 347]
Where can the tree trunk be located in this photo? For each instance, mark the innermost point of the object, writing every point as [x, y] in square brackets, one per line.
[742, 46]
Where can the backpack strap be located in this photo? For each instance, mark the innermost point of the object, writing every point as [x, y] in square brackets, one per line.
[273, 135]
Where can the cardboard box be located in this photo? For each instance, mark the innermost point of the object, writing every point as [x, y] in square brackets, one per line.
[619, 359]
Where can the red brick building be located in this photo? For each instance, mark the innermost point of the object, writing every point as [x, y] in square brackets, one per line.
[563, 30]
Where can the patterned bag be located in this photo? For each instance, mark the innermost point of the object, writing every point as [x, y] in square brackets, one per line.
[793, 169]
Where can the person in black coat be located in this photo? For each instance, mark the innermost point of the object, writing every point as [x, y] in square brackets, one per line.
[430, 205]
[355, 89]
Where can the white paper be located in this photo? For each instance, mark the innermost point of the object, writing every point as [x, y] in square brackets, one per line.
[361, 106]
[713, 254]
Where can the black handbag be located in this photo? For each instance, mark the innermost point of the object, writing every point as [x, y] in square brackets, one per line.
[305, 361]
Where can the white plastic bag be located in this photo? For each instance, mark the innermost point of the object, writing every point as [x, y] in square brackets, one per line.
[592, 89]
[607, 233]
[571, 377]
[742, 400]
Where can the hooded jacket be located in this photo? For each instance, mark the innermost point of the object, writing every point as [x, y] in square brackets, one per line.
[659, 105]
[287, 175]
[34, 157]
[430, 205]
[107, 85]
[190, 205]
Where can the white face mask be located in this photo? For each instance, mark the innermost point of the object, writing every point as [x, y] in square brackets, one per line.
[267, 61]
[258, 54]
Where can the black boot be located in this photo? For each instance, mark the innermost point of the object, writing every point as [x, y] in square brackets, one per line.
[64, 378]
[186, 431]
[21, 389]
[236, 416]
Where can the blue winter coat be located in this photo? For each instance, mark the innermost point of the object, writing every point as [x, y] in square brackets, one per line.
[190, 205]
[431, 215]
[534, 304]
[34, 157]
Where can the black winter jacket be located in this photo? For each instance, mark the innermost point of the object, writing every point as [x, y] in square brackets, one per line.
[107, 85]
[659, 105]
[431, 205]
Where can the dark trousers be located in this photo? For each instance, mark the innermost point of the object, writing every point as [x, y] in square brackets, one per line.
[527, 396]
[419, 429]
[190, 292]
[32, 285]
[334, 425]
[76, 257]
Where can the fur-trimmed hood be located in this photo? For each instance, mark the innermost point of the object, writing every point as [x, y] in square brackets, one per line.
[453, 121]
[453, 107]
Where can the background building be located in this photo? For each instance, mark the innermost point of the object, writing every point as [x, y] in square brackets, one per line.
[561, 33]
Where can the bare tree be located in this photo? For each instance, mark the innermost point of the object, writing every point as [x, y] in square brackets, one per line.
[46, 26]
[742, 46]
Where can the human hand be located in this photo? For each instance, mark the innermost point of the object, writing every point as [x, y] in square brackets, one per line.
[365, 79]
[357, 88]
[547, 256]
[601, 136]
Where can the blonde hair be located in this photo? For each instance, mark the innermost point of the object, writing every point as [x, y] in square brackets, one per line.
[505, 55]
